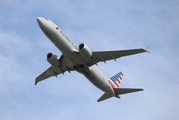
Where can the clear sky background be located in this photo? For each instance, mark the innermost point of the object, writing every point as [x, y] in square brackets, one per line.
[102, 25]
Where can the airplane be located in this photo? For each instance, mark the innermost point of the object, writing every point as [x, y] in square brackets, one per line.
[84, 61]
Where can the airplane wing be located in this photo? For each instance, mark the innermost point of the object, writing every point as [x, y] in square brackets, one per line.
[103, 56]
[53, 71]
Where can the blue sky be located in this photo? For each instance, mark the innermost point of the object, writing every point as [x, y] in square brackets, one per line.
[102, 25]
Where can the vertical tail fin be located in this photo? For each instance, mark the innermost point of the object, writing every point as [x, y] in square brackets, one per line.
[117, 78]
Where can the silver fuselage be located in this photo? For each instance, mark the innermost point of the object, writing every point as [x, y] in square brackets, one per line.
[68, 48]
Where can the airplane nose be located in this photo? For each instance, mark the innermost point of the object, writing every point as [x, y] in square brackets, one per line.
[39, 19]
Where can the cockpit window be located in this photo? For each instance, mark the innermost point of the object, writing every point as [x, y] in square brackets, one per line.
[46, 18]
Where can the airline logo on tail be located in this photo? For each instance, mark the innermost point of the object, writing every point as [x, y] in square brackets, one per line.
[117, 78]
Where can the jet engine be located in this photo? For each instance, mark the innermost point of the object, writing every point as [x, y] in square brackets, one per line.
[84, 50]
[52, 59]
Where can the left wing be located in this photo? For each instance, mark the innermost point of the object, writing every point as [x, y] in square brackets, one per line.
[104, 56]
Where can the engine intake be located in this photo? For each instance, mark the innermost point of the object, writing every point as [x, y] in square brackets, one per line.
[84, 50]
[52, 59]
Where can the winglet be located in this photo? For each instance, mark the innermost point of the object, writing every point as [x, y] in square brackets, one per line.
[36, 82]
[146, 49]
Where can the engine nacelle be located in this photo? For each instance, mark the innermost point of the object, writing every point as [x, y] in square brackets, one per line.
[53, 60]
[84, 50]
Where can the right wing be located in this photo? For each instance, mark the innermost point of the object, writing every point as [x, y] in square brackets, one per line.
[51, 71]
[54, 71]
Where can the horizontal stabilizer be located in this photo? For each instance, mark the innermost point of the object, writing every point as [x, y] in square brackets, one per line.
[120, 91]
[104, 97]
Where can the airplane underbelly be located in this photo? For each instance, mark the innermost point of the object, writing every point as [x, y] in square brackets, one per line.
[60, 42]
[97, 78]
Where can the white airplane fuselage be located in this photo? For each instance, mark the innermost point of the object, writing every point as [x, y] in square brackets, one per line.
[68, 48]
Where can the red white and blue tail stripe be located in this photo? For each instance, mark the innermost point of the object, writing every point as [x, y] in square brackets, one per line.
[117, 79]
